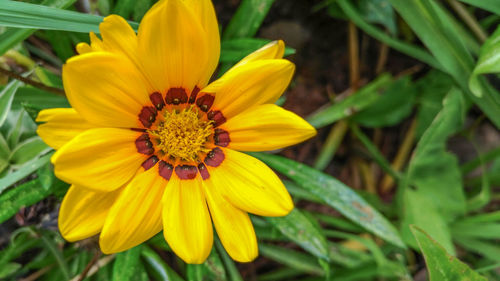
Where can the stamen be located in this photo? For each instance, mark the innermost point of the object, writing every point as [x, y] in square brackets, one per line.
[217, 117]
[203, 171]
[165, 169]
[194, 93]
[157, 100]
[176, 96]
[182, 134]
[221, 137]
[215, 157]
[186, 172]
[150, 162]
[205, 102]
[147, 116]
[144, 145]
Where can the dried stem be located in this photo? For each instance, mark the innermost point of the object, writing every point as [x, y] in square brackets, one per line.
[33, 83]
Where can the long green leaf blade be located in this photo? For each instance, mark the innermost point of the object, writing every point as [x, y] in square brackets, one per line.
[25, 15]
[442, 266]
[336, 194]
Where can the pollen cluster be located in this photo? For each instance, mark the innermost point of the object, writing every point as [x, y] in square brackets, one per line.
[183, 134]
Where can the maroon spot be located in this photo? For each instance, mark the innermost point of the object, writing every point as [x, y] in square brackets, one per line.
[194, 93]
[205, 102]
[157, 100]
[147, 116]
[221, 137]
[217, 117]
[186, 172]
[150, 162]
[203, 171]
[165, 169]
[176, 96]
[138, 130]
[144, 144]
[215, 157]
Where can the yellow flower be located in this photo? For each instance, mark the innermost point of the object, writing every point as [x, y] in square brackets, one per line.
[148, 145]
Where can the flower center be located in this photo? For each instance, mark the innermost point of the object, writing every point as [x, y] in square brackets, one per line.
[183, 134]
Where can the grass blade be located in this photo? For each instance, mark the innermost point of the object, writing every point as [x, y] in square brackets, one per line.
[336, 194]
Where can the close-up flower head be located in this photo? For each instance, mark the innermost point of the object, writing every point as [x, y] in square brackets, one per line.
[150, 145]
[260, 140]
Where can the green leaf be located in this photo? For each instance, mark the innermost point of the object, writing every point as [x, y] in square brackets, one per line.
[489, 249]
[233, 50]
[61, 43]
[359, 100]
[124, 8]
[25, 15]
[301, 230]
[23, 195]
[157, 267]
[488, 5]
[335, 194]
[379, 11]
[432, 89]
[128, 266]
[247, 19]
[38, 98]
[291, 258]
[232, 271]
[440, 33]
[391, 108]
[23, 172]
[488, 62]
[431, 220]
[28, 150]
[442, 266]
[433, 170]
[13, 36]
[141, 7]
[6, 98]
[403, 47]
[8, 269]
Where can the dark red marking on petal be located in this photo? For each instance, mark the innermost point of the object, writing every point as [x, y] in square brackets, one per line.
[144, 144]
[215, 157]
[157, 100]
[150, 162]
[186, 172]
[217, 117]
[176, 96]
[138, 130]
[203, 171]
[147, 116]
[221, 137]
[194, 93]
[205, 102]
[165, 169]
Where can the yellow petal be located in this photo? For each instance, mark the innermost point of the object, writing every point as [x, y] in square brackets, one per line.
[102, 159]
[96, 43]
[233, 226]
[186, 221]
[119, 37]
[136, 215]
[272, 50]
[267, 127]
[250, 185]
[174, 45]
[83, 48]
[106, 89]
[62, 125]
[255, 83]
[204, 11]
[84, 211]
